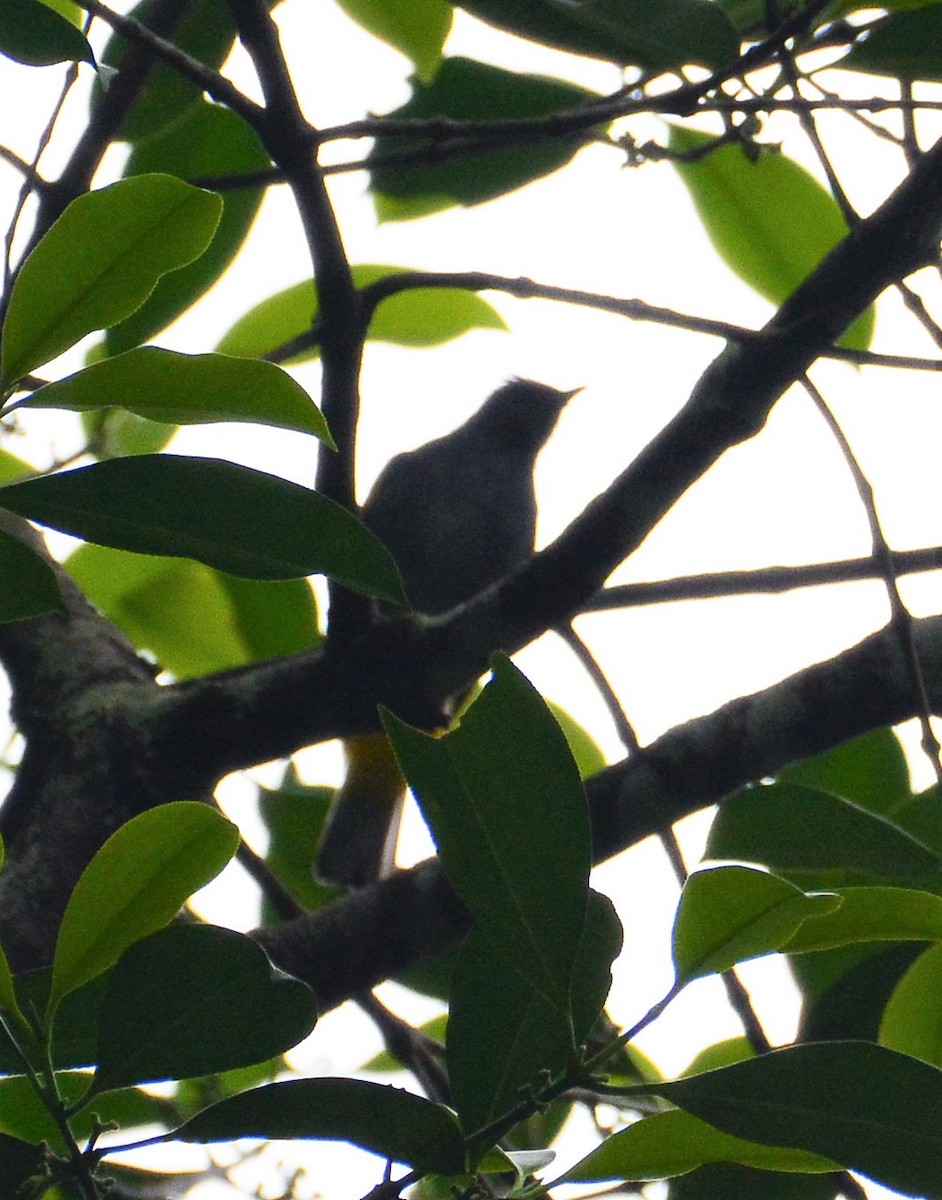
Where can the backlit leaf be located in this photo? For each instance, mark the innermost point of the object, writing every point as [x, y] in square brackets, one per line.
[135, 884]
[99, 262]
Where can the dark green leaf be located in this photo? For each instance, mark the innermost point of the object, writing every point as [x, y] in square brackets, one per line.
[601, 944]
[654, 34]
[791, 829]
[905, 45]
[505, 804]
[18, 1161]
[865, 1107]
[502, 1033]
[207, 142]
[503, 1036]
[747, 1183]
[33, 34]
[769, 220]
[845, 991]
[205, 32]
[418, 28]
[390, 1122]
[28, 585]
[234, 1010]
[232, 518]
[135, 884]
[921, 815]
[421, 317]
[187, 389]
[730, 914]
[673, 1143]
[465, 90]
[870, 770]
[912, 1020]
[99, 262]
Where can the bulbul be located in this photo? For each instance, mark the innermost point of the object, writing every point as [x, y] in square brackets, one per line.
[457, 514]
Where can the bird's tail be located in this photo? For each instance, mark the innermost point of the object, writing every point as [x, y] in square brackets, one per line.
[359, 840]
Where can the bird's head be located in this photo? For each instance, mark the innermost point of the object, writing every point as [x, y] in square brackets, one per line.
[522, 413]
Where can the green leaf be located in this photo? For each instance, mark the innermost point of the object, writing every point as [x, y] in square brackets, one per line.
[419, 317]
[790, 828]
[99, 262]
[31, 33]
[8, 1000]
[187, 389]
[870, 914]
[673, 1143]
[115, 432]
[24, 1115]
[748, 1183]
[205, 31]
[19, 1160]
[274, 617]
[228, 517]
[391, 1123]
[505, 804]
[921, 815]
[585, 750]
[13, 468]
[870, 770]
[294, 816]
[207, 142]
[504, 1035]
[28, 584]
[729, 914]
[845, 991]
[135, 884]
[866, 1107]
[769, 220]
[234, 1011]
[905, 45]
[465, 90]
[654, 34]
[75, 1035]
[659, 35]
[416, 27]
[192, 619]
[601, 943]
[912, 1019]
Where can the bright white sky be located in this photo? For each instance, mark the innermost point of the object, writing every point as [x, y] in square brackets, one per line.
[784, 498]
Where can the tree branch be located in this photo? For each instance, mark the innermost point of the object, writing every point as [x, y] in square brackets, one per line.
[380, 931]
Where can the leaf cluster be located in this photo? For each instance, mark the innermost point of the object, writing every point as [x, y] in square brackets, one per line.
[204, 564]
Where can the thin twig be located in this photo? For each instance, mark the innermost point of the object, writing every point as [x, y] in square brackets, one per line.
[900, 616]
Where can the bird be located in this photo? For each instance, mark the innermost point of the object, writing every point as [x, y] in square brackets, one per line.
[457, 514]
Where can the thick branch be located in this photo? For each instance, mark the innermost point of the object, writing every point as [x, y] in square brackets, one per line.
[389, 927]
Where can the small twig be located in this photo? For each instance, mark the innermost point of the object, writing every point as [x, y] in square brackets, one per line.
[205, 78]
[422, 1055]
[759, 581]
[883, 558]
[275, 892]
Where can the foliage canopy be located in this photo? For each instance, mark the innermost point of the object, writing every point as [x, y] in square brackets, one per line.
[820, 850]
